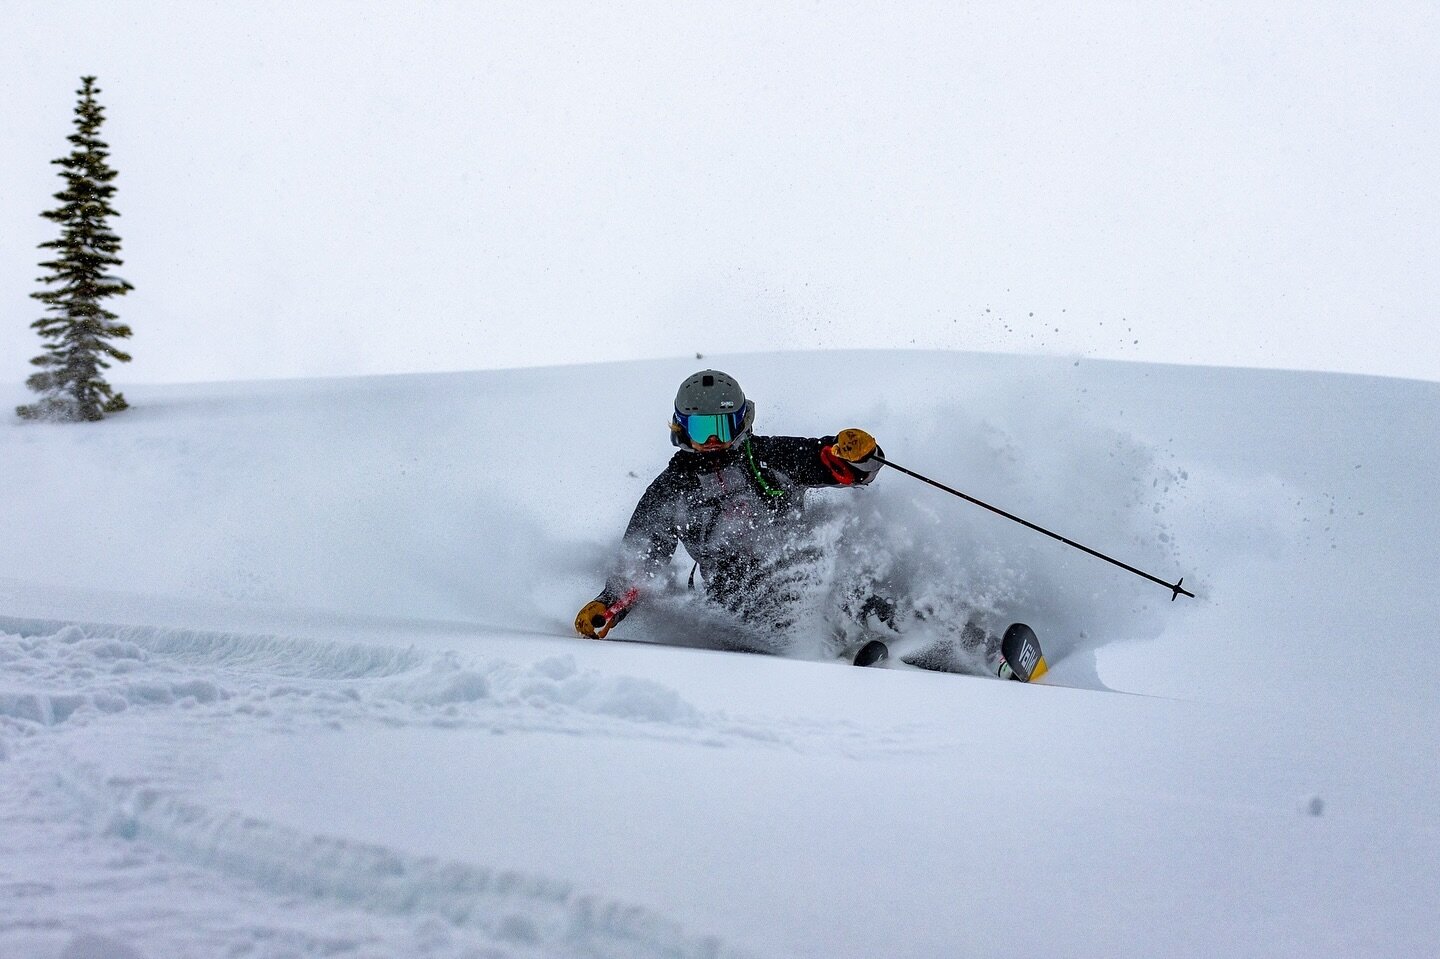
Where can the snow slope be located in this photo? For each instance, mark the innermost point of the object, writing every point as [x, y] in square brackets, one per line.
[285, 671]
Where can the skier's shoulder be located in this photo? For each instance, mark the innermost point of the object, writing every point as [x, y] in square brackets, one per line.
[680, 471]
[681, 462]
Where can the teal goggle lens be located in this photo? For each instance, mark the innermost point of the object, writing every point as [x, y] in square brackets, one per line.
[702, 427]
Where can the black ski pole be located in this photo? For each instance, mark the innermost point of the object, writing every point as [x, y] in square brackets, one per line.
[1176, 589]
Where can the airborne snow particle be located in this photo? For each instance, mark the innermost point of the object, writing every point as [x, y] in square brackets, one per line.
[1312, 806]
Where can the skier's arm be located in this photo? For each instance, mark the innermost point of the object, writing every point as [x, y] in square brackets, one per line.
[844, 460]
[653, 532]
[649, 542]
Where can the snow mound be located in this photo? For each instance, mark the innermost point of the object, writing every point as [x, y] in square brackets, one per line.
[72, 671]
[61, 673]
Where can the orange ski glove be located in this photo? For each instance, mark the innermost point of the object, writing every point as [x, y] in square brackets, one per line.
[597, 617]
[855, 446]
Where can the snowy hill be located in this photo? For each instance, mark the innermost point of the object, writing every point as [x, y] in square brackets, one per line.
[286, 670]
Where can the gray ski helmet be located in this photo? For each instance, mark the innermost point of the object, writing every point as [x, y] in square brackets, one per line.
[718, 406]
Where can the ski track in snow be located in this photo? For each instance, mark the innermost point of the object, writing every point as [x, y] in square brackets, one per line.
[62, 679]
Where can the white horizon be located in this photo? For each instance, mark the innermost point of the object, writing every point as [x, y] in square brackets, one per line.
[352, 189]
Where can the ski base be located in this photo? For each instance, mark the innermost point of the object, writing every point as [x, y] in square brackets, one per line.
[872, 653]
[1021, 654]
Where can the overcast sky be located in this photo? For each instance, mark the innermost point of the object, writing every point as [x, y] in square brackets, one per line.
[330, 188]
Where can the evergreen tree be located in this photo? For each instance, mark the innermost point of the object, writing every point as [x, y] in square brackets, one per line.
[76, 328]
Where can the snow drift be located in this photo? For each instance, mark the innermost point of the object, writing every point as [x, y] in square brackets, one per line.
[302, 650]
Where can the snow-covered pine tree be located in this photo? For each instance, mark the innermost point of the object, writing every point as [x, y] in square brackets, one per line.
[76, 328]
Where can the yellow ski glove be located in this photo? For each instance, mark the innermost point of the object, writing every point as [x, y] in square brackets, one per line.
[598, 617]
[594, 621]
[854, 446]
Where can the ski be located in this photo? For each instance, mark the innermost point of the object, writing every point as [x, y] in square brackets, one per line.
[872, 653]
[1021, 655]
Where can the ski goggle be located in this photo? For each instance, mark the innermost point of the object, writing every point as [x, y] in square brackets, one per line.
[700, 428]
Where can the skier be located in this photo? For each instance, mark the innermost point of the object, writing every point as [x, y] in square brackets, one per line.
[735, 501]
